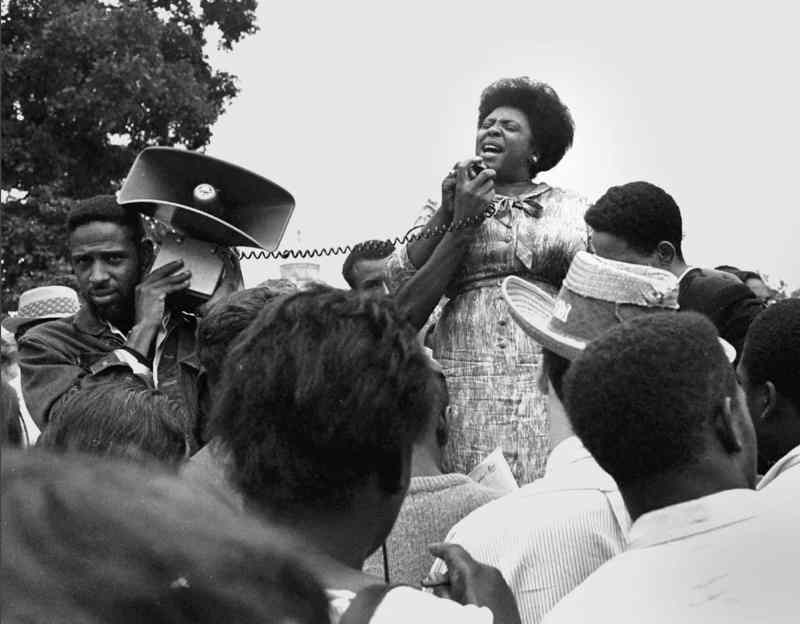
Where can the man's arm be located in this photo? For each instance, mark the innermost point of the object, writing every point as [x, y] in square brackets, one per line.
[49, 375]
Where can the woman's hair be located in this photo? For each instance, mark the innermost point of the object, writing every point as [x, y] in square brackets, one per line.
[325, 389]
[551, 123]
[90, 540]
[121, 418]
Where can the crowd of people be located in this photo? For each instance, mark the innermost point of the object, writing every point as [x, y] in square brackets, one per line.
[286, 454]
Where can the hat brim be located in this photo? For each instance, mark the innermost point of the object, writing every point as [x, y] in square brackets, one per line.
[532, 308]
[13, 323]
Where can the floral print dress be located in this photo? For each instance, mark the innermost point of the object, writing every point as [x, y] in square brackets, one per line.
[491, 365]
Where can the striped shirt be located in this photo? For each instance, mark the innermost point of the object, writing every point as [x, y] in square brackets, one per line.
[729, 558]
[549, 535]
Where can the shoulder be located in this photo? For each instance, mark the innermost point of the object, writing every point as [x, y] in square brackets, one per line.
[711, 284]
[46, 332]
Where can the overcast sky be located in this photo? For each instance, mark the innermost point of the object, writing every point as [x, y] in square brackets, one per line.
[360, 108]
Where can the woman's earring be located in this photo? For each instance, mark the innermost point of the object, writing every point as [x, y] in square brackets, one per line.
[533, 158]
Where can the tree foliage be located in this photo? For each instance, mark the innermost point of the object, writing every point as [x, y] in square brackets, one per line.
[87, 84]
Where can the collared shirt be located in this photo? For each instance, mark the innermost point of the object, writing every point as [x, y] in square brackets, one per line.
[549, 535]
[784, 474]
[727, 557]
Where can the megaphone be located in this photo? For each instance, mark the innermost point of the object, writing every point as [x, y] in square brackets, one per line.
[207, 204]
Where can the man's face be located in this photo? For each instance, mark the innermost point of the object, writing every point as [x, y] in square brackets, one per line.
[613, 247]
[369, 274]
[106, 262]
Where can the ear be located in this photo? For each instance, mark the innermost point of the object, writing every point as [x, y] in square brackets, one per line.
[666, 253]
[767, 400]
[727, 427]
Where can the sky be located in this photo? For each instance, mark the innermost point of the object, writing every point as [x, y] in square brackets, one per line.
[359, 109]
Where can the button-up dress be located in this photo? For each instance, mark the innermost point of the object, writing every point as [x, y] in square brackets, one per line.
[491, 365]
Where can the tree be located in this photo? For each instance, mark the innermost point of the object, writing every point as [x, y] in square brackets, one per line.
[88, 84]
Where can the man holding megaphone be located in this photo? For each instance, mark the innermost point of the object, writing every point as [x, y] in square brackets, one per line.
[142, 297]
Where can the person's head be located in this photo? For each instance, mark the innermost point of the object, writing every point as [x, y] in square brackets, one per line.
[326, 392]
[655, 401]
[756, 283]
[11, 430]
[119, 418]
[90, 540]
[108, 255]
[225, 320]
[638, 223]
[769, 371]
[523, 128]
[365, 265]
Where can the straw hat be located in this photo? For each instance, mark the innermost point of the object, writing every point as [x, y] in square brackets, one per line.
[43, 304]
[597, 294]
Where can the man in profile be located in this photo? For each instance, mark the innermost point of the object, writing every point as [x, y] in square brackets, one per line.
[640, 223]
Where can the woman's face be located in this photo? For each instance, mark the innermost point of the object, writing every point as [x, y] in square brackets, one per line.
[505, 142]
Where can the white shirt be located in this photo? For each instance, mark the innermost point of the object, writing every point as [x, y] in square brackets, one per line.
[404, 605]
[720, 558]
[549, 535]
[789, 463]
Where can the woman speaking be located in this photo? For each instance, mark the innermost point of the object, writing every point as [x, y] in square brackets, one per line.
[533, 230]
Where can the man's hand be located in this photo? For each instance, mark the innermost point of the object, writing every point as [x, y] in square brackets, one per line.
[470, 582]
[472, 194]
[151, 295]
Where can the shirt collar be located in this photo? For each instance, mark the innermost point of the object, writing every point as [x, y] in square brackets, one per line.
[701, 515]
[568, 451]
[790, 460]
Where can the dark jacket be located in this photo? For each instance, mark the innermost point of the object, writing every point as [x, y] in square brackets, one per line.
[58, 357]
[722, 297]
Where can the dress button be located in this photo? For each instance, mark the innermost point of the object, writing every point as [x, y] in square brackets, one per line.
[502, 322]
[509, 239]
[502, 345]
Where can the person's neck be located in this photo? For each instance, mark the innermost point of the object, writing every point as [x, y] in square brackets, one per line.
[560, 427]
[426, 460]
[333, 536]
[673, 488]
[678, 267]
[513, 187]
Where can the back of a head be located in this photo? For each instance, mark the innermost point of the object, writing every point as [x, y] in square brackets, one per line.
[772, 349]
[367, 250]
[120, 418]
[89, 540]
[217, 330]
[104, 208]
[639, 213]
[639, 396]
[326, 389]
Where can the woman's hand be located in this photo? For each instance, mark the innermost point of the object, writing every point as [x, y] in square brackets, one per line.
[472, 195]
[449, 192]
[470, 582]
